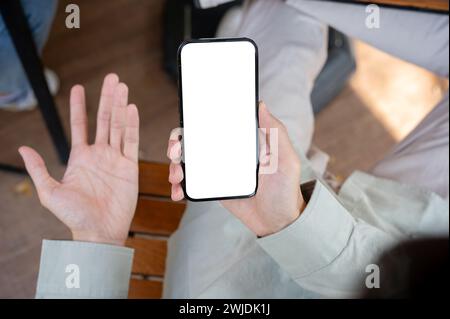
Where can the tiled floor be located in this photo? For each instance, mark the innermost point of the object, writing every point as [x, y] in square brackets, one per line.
[384, 100]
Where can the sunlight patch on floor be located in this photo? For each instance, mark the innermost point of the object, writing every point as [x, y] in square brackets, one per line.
[397, 93]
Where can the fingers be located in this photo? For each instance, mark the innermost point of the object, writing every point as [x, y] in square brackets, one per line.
[118, 116]
[78, 118]
[176, 134]
[176, 175]
[117, 122]
[177, 193]
[105, 108]
[131, 139]
[174, 151]
[35, 166]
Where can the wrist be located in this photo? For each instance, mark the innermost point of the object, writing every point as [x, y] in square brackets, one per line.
[286, 220]
[95, 238]
[291, 218]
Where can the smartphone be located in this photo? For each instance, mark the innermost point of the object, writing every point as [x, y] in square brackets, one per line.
[218, 95]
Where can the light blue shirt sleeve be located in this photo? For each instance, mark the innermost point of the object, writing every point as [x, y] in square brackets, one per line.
[73, 269]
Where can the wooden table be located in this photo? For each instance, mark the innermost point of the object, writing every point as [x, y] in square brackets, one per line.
[438, 5]
[155, 219]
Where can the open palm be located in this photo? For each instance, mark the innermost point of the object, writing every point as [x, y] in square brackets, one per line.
[97, 196]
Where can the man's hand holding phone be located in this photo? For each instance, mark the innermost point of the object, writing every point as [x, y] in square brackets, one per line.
[278, 201]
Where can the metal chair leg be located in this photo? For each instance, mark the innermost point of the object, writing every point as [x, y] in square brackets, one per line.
[19, 30]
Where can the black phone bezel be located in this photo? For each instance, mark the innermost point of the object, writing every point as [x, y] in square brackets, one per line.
[180, 110]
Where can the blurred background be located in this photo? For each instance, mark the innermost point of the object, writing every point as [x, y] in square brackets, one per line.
[381, 103]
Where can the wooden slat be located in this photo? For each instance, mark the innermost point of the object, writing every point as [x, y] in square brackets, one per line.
[155, 216]
[149, 256]
[440, 5]
[145, 289]
[153, 179]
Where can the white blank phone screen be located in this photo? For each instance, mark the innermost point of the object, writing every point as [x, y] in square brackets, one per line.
[218, 83]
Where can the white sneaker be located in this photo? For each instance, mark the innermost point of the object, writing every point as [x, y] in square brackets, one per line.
[29, 102]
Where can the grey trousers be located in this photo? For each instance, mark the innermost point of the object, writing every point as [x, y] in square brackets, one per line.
[293, 50]
[422, 158]
[292, 41]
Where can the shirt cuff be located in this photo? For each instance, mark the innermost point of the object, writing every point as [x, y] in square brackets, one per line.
[315, 239]
[73, 269]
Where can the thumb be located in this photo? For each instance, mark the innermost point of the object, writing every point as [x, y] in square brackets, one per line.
[38, 172]
[268, 121]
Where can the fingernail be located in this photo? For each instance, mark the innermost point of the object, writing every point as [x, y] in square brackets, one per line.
[112, 78]
[175, 134]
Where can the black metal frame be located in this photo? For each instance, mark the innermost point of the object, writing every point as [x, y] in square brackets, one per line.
[19, 30]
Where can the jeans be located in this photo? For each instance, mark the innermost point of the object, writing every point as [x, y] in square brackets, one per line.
[13, 80]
